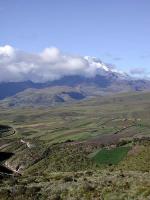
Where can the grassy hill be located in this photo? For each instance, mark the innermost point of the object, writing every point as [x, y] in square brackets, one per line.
[93, 149]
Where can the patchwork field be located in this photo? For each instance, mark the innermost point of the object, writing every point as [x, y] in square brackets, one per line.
[94, 149]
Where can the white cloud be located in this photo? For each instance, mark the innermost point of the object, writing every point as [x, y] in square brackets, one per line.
[50, 54]
[6, 50]
[50, 64]
[7, 53]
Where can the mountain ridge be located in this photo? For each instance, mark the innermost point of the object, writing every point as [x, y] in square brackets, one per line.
[107, 80]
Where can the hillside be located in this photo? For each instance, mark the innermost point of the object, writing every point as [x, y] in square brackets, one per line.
[50, 96]
[62, 150]
[103, 83]
[67, 90]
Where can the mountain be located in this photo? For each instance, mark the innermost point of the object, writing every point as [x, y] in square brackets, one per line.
[107, 80]
[44, 97]
[11, 88]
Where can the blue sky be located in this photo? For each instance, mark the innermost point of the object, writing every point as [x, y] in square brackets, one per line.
[117, 31]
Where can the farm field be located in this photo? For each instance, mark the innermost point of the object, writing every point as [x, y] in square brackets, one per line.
[84, 150]
[112, 156]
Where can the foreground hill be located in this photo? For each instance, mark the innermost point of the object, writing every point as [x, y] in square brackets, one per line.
[93, 149]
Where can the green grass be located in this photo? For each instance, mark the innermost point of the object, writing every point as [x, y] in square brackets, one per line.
[138, 160]
[112, 156]
[46, 167]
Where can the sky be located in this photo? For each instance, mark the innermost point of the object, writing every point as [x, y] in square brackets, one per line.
[116, 31]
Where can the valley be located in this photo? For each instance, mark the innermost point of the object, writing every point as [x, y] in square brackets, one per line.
[96, 148]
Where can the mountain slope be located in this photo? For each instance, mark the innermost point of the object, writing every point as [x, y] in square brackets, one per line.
[70, 89]
[44, 97]
[106, 80]
[11, 88]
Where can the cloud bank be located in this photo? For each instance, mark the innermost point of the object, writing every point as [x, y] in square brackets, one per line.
[50, 64]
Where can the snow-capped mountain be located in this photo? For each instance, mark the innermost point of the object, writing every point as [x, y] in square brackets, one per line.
[106, 79]
[105, 69]
[97, 63]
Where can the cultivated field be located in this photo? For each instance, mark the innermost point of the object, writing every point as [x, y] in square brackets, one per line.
[93, 149]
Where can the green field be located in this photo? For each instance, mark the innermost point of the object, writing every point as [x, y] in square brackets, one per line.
[112, 156]
[94, 149]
